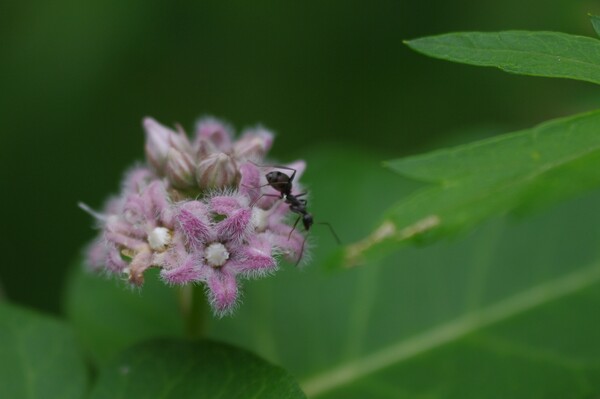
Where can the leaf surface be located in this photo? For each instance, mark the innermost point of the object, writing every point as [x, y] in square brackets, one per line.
[39, 357]
[192, 369]
[550, 54]
[470, 183]
[109, 316]
[595, 23]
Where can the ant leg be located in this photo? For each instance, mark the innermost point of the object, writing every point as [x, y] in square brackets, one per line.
[263, 195]
[332, 232]
[294, 228]
[301, 250]
[257, 187]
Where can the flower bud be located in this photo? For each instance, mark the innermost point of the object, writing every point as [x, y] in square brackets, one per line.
[215, 132]
[203, 148]
[180, 169]
[216, 171]
[157, 143]
[253, 145]
[159, 139]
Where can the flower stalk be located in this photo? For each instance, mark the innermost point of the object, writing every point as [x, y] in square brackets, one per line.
[194, 310]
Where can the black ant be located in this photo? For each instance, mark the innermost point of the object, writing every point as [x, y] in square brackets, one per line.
[284, 184]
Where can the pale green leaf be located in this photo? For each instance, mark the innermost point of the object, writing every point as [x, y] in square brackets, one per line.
[537, 348]
[550, 54]
[39, 357]
[171, 369]
[472, 182]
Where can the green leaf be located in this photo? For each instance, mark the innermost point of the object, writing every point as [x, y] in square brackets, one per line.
[39, 357]
[109, 316]
[534, 351]
[473, 182]
[595, 23]
[203, 369]
[550, 54]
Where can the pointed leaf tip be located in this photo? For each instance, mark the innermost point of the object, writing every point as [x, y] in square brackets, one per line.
[595, 20]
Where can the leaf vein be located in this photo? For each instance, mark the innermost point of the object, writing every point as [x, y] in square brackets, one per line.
[348, 372]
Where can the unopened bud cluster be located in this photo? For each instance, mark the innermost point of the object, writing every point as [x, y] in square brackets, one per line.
[197, 211]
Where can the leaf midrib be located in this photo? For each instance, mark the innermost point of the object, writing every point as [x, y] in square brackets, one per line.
[504, 50]
[348, 372]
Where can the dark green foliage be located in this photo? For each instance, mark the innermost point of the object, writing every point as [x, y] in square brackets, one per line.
[170, 369]
[39, 357]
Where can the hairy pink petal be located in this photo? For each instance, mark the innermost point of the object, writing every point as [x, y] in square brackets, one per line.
[178, 244]
[131, 222]
[223, 292]
[192, 218]
[225, 204]
[124, 240]
[156, 204]
[235, 227]
[176, 253]
[140, 262]
[114, 260]
[255, 259]
[250, 181]
[188, 271]
[290, 248]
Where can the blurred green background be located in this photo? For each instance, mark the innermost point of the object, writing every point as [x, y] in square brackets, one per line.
[76, 77]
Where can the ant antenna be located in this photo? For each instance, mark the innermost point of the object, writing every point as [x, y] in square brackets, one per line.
[333, 233]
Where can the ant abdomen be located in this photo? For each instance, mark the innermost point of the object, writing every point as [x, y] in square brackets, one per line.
[307, 221]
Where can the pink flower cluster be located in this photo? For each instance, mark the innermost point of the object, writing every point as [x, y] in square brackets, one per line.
[197, 211]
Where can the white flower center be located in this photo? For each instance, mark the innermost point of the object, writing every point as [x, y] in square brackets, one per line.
[159, 238]
[216, 254]
[260, 219]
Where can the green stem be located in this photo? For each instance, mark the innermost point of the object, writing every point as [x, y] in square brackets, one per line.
[194, 309]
